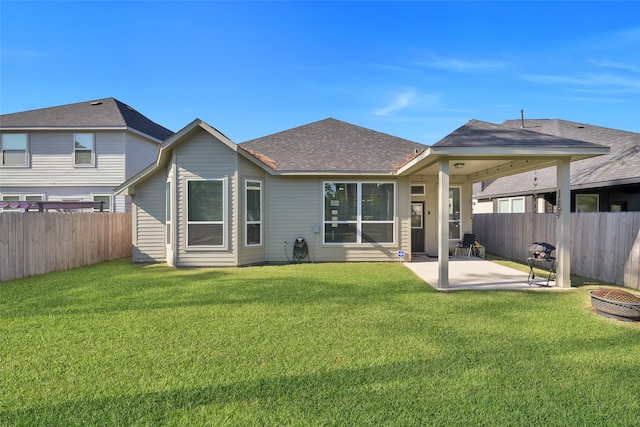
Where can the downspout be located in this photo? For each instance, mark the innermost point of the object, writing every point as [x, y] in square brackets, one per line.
[174, 209]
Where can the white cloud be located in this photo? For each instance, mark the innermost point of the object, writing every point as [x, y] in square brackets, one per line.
[587, 80]
[400, 101]
[459, 65]
[21, 53]
[616, 65]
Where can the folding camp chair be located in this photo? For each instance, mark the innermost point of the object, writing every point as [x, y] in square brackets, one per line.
[468, 243]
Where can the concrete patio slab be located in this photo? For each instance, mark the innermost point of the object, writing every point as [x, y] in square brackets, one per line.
[477, 274]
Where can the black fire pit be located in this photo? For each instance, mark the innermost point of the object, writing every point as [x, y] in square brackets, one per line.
[616, 303]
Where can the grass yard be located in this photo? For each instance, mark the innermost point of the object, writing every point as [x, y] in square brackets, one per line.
[118, 344]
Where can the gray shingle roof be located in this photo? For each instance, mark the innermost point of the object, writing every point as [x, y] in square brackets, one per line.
[620, 166]
[335, 146]
[100, 113]
[477, 133]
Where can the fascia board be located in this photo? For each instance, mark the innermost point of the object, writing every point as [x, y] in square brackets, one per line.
[127, 188]
[334, 173]
[80, 129]
[59, 128]
[480, 152]
[419, 162]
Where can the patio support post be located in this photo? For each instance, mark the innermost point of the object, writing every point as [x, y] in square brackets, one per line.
[563, 225]
[443, 224]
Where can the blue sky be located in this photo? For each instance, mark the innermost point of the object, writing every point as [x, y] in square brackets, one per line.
[417, 70]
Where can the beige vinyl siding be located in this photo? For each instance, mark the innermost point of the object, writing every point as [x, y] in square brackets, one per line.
[51, 160]
[139, 153]
[121, 203]
[250, 254]
[204, 157]
[295, 207]
[148, 220]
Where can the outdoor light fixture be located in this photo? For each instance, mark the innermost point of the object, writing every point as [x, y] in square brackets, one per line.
[458, 165]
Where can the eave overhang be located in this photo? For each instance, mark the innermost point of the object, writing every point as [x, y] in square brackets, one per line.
[484, 163]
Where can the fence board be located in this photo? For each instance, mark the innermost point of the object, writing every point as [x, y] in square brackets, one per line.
[604, 246]
[42, 242]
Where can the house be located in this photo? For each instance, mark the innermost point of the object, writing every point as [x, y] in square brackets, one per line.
[607, 183]
[75, 153]
[339, 191]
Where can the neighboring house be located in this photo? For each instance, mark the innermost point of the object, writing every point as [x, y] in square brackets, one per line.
[353, 194]
[75, 153]
[607, 183]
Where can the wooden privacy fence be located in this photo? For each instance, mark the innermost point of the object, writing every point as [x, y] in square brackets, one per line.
[35, 243]
[604, 245]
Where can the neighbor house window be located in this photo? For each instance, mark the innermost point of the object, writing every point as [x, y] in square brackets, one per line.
[205, 213]
[17, 201]
[454, 213]
[253, 213]
[84, 149]
[15, 149]
[359, 212]
[511, 205]
[11, 207]
[587, 203]
[106, 205]
[34, 198]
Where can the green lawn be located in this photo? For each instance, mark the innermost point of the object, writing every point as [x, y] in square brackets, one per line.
[317, 344]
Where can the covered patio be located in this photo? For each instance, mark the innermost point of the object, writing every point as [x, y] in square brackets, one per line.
[477, 274]
[481, 151]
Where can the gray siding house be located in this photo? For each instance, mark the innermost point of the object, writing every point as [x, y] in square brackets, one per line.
[75, 153]
[609, 183]
[350, 193]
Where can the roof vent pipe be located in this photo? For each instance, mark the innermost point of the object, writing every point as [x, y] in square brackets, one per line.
[522, 118]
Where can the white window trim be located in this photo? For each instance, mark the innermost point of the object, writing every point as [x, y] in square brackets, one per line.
[417, 194]
[597, 196]
[359, 221]
[510, 200]
[107, 207]
[246, 216]
[224, 216]
[27, 156]
[93, 151]
[459, 220]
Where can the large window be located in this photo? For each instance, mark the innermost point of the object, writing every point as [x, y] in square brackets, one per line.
[587, 203]
[205, 213]
[253, 213]
[511, 205]
[83, 144]
[359, 212]
[15, 149]
[454, 213]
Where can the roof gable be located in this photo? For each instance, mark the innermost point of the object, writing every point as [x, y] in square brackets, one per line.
[175, 140]
[333, 146]
[97, 114]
